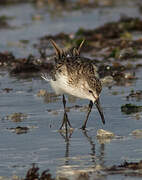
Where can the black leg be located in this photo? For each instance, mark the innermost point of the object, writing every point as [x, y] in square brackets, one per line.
[89, 110]
[89, 138]
[65, 118]
[64, 102]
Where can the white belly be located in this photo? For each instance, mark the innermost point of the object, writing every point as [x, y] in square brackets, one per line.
[61, 86]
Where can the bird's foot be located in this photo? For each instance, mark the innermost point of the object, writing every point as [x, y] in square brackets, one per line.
[83, 127]
[65, 122]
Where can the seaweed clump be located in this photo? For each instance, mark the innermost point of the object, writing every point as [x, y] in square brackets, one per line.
[135, 94]
[112, 46]
[6, 59]
[27, 65]
[130, 108]
[33, 174]
[114, 35]
[126, 168]
[3, 22]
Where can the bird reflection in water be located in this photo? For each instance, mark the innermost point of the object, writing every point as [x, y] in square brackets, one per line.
[66, 135]
[96, 157]
[93, 153]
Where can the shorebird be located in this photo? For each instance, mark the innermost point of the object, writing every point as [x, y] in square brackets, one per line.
[77, 76]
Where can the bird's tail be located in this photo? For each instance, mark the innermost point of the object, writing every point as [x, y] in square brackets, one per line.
[45, 76]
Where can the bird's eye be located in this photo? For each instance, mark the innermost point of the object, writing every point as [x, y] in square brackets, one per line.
[90, 91]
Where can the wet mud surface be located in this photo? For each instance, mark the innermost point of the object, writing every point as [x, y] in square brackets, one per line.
[32, 147]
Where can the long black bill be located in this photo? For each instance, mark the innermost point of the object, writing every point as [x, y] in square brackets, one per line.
[97, 103]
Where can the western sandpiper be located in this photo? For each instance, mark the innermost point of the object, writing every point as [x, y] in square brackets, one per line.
[77, 76]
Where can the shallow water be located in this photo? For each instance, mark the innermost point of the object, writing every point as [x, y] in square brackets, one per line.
[25, 28]
[43, 144]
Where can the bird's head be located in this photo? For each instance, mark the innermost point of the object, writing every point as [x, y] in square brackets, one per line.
[94, 89]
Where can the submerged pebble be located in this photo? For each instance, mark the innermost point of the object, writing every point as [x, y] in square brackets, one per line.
[63, 130]
[19, 130]
[14, 177]
[105, 134]
[137, 132]
[53, 112]
[135, 94]
[107, 80]
[7, 90]
[42, 93]
[16, 117]
[69, 172]
[129, 76]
